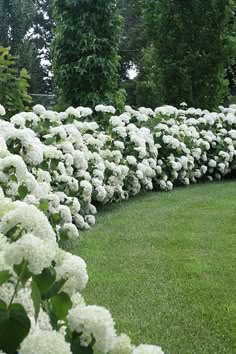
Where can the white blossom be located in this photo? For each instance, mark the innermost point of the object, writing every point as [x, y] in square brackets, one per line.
[45, 342]
[93, 321]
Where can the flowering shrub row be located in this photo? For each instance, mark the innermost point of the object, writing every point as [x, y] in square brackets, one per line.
[54, 169]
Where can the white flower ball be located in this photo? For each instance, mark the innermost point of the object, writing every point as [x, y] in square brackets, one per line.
[38, 253]
[93, 321]
[45, 342]
[122, 345]
[73, 269]
[147, 349]
[212, 163]
[39, 109]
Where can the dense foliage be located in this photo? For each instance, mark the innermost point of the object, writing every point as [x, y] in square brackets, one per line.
[193, 47]
[133, 37]
[53, 168]
[41, 70]
[16, 18]
[13, 84]
[85, 52]
[26, 27]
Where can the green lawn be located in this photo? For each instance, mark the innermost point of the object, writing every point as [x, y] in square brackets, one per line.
[164, 265]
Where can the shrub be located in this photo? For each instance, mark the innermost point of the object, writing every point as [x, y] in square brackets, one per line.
[13, 85]
[53, 168]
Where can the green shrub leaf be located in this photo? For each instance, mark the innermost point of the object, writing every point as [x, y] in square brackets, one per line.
[45, 280]
[54, 289]
[22, 191]
[61, 304]
[4, 276]
[35, 295]
[14, 327]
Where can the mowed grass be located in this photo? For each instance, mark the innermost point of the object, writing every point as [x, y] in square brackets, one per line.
[164, 264]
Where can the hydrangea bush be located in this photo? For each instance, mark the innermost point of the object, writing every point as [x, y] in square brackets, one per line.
[55, 168]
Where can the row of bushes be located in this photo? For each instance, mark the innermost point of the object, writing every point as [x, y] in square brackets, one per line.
[55, 168]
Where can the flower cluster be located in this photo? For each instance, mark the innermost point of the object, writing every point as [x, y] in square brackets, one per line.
[65, 162]
[42, 283]
[54, 168]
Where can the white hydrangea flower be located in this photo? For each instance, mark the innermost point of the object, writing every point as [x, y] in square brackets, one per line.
[212, 163]
[39, 109]
[45, 342]
[77, 300]
[79, 220]
[71, 230]
[3, 242]
[38, 253]
[105, 109]
[84, 111]
[73, 269]
[90, 219]
[122, 345]
[29, 218]
[93, 321]
[131, 160]
[2, 110]
[147, 349]
[18, 120]
[22, 174]
[119, 145]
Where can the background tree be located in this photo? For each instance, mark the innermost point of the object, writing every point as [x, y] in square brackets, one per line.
[133, 37]
[193, 46]
[13, 85]
[26, 27]
[86, 60]
[16, 19]
[137, 52]
[43, 34]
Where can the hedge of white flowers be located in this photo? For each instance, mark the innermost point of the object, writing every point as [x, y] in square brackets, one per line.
[55, 168]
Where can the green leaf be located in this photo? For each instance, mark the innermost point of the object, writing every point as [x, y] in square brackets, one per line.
[63, 234]
[43, 205]
[4, 276]
[3, 305]
[61, 304]
[54, 289]
[52, 316]
[44, 165]
[22, 271]
[54, 164]
[10, 233]
[46, 124]
[55, 219]
[35, 295]
[22, 191]
[50, 141]
[45, 280]
[77, 348]
[13, 178]
[14, 327]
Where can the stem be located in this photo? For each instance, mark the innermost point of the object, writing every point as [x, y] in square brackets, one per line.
[18, 281]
